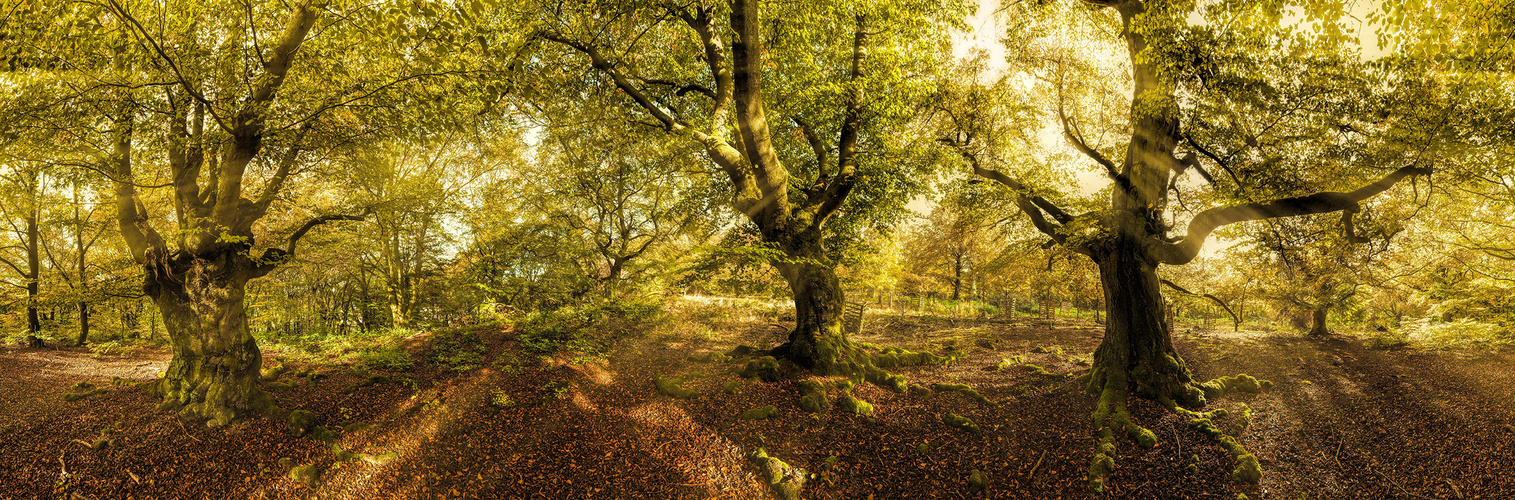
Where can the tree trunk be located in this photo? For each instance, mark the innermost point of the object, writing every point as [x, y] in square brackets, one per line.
[1137, 351]
[83, 322]
[33, 321]
[216, 361]
[817, 341]
[957, 277]
[1318, 322]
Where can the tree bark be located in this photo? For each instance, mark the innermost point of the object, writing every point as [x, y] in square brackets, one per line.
[216, 361]
[1318, 322]
[817, 341]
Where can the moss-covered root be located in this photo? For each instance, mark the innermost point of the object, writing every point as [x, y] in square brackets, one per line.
[1035, 369]
[1110, 413]
[671, 387]
[75, 396]
[785, 480]
[709, 357]
[964, 390]
[308, 475]
[760, 413]
[1247, 469]
[961, 422]
[851, 404]
[765, 368]
[301, 422]
[977, 481]
[1222, 386]
[813, 396]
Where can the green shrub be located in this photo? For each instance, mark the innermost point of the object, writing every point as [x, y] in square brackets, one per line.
[388, 357]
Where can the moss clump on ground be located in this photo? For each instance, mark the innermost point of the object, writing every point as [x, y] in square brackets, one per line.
[709, 357]
[1002, 366]
[121, 381]
[370, 380]
[977, 481]
[961, 422]
[307, 475]
[670, 387]
[1038, 370]
[732, 387]
[964, 390]
[848, 403]
[1247, 469]
[785, 480]
[760, 413]
[83, 386]
[765, 368]
[322, 434]
[301, 422]
[742, 350]
[75, 396]
[812, 396]
[1222, 386]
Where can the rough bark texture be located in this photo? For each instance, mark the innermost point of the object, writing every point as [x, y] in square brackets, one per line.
[216, 361]
[817, 340]
[1137, 334]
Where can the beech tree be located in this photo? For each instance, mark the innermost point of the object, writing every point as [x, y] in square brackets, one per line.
[745, 85]
[1203, 99]
[217, 100]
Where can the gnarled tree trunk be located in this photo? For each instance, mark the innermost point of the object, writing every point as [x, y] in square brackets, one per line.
[1318, 322]
[817, 341]
[216, 362]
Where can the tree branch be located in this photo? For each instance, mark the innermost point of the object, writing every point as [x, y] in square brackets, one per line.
[1207, 221]
[273, 257]
[837, 188]
[1236, 320]
[1033, 206]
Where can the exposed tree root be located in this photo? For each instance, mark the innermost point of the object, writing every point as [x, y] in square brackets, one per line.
[1111, 414]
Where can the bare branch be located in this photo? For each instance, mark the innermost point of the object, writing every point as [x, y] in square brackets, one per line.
[1207, 221]
[1236, 320]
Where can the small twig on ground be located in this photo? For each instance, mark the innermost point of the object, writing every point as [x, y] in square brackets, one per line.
[1455, 489]
[1032, 475]
[186, 431]
[1176, 439]
[86, 444]
[1396, 485]
[1337, 455]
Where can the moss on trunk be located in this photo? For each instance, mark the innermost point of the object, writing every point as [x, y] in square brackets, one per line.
[215, 368]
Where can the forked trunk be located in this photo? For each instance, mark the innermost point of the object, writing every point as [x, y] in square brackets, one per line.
[1137, 345]
[214, 371]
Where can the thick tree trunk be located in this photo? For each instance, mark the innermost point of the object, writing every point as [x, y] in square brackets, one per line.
[216, 361]
[1137, 351]
[817, 341]
[1318, 322]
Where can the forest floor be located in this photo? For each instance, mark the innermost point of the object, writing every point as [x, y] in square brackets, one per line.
[1341, 421]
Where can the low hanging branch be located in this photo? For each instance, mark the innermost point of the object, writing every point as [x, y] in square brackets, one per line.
[1235, 320]
[275, 256]
[1207, 221]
